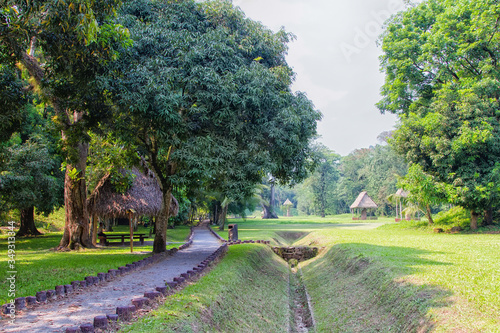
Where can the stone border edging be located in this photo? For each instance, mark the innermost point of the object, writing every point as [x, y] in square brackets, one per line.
[215, 234]
[249, 242]
[238, 241]
[125, 313]
[30, 302]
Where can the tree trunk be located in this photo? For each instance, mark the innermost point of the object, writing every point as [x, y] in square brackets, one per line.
[222, 218]
[268, 213]
[216, 212]
[76, 228]
[269, 210]
[428, 213]
[108, 224]
[93, 230]
[488, 216]
[160, 242]
[28, 227]
[473, 220]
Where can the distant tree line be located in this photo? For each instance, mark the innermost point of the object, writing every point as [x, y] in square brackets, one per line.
[338, 180]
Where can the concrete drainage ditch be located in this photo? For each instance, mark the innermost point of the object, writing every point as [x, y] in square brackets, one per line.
[301, 314]
[301, 253]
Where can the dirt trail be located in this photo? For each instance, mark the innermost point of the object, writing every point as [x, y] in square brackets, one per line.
[81, 307]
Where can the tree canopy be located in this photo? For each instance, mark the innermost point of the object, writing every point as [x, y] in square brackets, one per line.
[62, 46]
[205, 94]
[441, 64]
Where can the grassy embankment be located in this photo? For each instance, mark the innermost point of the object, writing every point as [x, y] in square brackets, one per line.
[246, 292]
[393, 278]
[40, 268]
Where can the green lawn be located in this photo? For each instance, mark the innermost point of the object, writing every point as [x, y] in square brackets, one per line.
[394, 276]
[246, 292]
[460, 270]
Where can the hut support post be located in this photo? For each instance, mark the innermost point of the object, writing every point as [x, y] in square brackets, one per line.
[130, 217]
[94, 229]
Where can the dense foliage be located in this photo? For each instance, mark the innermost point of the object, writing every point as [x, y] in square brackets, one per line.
[442, 73]
[62, 46]
[337, 181]
[205, 95]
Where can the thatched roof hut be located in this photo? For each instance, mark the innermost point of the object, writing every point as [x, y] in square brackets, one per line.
[400, 197]
[362, 204]
[144, 198]
[402, 193]
[287, 204]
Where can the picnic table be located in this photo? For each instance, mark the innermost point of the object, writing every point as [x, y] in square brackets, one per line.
[104, 239]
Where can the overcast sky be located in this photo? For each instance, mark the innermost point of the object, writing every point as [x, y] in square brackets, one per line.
[335, 57]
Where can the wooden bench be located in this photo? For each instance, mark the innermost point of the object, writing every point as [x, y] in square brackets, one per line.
[104, 239]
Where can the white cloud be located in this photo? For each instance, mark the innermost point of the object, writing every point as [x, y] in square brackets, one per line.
[344, 88]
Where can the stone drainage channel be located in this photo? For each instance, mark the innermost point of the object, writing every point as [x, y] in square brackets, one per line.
[301, 315]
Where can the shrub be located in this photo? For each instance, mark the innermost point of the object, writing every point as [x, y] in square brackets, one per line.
[456, 216]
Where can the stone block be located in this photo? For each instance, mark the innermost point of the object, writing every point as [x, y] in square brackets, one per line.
[59, 290]
[123, 312]
[152, 294]
[112, 317]
[30, 300]
[101, 322]
[87, 328]
[68, 289]
[41, 296]
[162, 289]
[140, 302]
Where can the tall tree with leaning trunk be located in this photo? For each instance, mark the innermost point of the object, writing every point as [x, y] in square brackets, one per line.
[63, 46]
[202, 85]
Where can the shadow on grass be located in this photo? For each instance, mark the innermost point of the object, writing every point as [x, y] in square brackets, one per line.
[42, 242]
[370, 288]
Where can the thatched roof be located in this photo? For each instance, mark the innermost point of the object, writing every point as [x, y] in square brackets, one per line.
[287, 202]
[144, 197]
[402, 193]
[363, 201]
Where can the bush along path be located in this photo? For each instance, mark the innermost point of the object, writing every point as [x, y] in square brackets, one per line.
[100, 301]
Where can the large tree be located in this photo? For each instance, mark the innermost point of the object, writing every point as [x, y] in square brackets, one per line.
[30, 179]
[324, 181]
[63, 45]
[441, 60]
[202, 86]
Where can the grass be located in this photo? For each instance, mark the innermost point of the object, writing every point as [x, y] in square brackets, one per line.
[395, 277]
[286, 230]
[246, 292]
[40, 268]
[450, 280]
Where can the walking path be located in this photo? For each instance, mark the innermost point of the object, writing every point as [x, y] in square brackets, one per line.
[81, 307]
